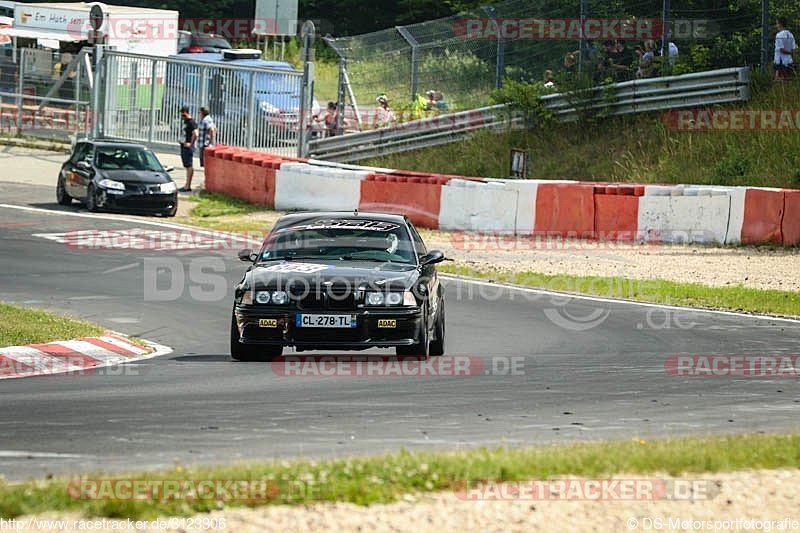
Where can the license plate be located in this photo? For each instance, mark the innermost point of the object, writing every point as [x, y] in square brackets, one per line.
[387, 323]
[268, 322]
[325, 321]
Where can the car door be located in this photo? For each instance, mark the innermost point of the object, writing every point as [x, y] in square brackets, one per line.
[84, 171]
[68, 172]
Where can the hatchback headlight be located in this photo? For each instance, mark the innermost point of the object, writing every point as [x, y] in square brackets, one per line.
[111, 184]
[168, 187]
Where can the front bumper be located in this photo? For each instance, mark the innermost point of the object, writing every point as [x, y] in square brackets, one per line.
[141, 201]
[366, 334]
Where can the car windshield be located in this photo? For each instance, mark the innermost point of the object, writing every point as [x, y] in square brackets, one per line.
[353, 240]
[211, 42]
[116, 158]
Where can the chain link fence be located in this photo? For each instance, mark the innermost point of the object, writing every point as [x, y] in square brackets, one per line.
[466, 56]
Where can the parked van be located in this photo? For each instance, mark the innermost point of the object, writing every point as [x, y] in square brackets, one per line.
[208, 79]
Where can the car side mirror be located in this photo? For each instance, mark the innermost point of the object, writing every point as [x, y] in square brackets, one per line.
[83, 165]
[431, 258]
[169, 168]
[248, 255]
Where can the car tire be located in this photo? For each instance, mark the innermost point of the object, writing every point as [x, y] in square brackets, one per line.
[62, 197]
[421, 347]
[248, 352]
[91, 199]
[437, 344]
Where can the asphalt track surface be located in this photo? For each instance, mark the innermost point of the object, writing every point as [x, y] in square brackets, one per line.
[573, 381]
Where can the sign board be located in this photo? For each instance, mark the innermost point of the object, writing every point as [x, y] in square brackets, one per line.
[276, 17]
[96, 17]
[31, 16]
[520, 164]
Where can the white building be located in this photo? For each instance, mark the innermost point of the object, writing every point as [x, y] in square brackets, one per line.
[68, 26]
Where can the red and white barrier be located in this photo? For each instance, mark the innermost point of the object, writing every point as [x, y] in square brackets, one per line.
[627, 212]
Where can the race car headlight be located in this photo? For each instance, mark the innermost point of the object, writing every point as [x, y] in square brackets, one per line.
[409, 299]
[280, 297]
[168, 187]
[375, 298]
[247, 297]
[111, 184]
[262, 297]
[391, 298]
[394, 298]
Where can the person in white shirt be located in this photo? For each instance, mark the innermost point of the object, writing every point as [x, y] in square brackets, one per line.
[672, 51]
[785, 48]
[384, 116]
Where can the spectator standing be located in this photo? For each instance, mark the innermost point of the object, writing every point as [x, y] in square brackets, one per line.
[187, 141]
[672, 51]
[331, 120]
[785, 47]
[646, 59]
[621, 61]
[384, 116]
[207, 132]
[549, 81]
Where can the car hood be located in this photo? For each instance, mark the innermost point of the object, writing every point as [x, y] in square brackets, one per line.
[135, 176]
[339, 274]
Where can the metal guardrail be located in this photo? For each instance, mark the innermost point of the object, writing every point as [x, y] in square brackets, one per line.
[698, 89]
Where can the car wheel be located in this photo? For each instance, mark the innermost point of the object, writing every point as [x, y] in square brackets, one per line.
[247, 352]
[421, 347]
[437, 344]
[61, 193]
[91, 199]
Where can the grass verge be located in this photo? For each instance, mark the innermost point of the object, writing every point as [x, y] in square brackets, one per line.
[632, 148]
[27, 326]
[387, 478]
[653, 291]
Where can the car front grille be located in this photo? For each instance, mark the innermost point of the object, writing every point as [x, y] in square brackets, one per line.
[333, 298]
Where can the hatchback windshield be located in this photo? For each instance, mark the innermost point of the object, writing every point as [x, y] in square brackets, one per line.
[356, 240]
[115, 158]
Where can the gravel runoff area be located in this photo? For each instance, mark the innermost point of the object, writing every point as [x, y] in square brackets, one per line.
[764, 500]
[748, 266]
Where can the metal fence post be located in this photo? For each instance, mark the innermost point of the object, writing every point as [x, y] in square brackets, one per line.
[99, 73]
[665, 30]
[153, 84]
[250, 122]
[20, 88]
[308, 33]
[764, 35]
[340, 96]
[499, 51]
[412, 42]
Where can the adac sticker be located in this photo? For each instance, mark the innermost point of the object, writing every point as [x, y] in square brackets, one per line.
[301, 268]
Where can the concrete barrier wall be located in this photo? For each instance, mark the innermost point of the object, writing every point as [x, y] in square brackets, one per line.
[607, 211]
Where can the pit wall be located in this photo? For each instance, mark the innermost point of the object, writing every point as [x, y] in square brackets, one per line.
[556, 208]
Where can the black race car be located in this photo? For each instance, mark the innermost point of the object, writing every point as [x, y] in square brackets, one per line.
[339, 281]
[118, 176]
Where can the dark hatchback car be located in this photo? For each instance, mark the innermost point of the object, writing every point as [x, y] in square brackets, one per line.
[339, 281]
[117, 176]
[196, 43]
